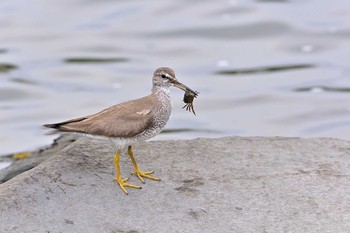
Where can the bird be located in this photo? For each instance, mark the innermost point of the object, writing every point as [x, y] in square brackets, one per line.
[129, 122]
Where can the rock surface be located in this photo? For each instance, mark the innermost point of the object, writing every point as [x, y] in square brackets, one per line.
[230, 184]
[37, 157]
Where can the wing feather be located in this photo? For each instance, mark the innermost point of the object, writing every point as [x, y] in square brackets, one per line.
[121, 120]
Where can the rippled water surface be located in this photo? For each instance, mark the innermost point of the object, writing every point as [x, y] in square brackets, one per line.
[269, 68]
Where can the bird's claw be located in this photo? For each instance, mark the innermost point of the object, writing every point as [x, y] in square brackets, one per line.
[141, 174]
[122, 183]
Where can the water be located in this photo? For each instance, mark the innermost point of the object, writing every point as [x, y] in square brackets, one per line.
[268, 68]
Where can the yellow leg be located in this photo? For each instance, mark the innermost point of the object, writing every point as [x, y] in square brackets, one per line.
[137, 171]
[122, 182]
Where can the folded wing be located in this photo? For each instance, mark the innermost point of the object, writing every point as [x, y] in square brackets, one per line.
[127, 119]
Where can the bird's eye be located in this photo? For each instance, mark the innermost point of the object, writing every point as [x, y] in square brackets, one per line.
[163, 76]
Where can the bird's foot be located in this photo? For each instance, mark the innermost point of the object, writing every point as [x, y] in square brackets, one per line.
[141, 174]
[122, 183]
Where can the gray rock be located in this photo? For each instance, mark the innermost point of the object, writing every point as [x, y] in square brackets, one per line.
[19, 166]
[228, 184]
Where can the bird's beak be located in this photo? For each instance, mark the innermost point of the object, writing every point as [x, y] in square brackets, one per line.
[184, 88]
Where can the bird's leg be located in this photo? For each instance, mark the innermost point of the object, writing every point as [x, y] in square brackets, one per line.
[137, 171]
[122, 182]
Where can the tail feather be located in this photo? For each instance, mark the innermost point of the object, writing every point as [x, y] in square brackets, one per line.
[58, 125]
[54, 126]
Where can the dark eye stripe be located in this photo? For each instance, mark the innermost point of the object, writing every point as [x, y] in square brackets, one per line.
[164, 76]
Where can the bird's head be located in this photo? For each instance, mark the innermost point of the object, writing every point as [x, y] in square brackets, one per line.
[164, 77]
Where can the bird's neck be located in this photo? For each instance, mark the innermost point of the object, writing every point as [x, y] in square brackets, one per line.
[163, 93]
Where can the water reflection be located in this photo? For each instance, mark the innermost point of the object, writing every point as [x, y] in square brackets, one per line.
[23, 81]
[6, 67]
[267, 69]
[323, 89]
[94, 60]
[255, 30]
